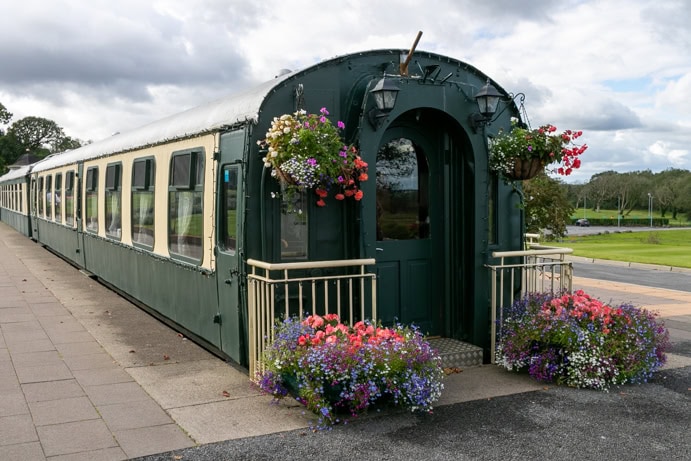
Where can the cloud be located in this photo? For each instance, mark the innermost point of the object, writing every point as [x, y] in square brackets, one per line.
[101, 66]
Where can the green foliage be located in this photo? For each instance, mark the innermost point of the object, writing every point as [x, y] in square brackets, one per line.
[628, 192]
[5, 115]
[666, 247]
[546, 206]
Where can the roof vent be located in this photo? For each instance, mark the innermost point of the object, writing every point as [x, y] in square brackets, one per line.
[283, 72]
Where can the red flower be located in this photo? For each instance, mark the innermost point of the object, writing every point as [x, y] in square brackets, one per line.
[321, 202]
[363, 177]
[339, 197]
[358, 195]
[321, 192]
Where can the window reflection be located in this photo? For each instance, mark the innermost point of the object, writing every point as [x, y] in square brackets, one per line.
[402, 192]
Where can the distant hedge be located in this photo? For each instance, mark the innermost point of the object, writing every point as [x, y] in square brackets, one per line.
[626, 222]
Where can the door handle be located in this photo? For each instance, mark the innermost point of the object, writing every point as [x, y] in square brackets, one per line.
[380, 249]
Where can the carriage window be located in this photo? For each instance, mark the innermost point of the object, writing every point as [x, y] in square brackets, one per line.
[113, 201]
[294, 220]
[40, 197]
[402, 192]
[49, 196]
[91, 214]
[69, 198]
[143, 174]
[185, 194]
[57, 198]
[229, 210]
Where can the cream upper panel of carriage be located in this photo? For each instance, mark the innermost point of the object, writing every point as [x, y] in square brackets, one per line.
[162, 155]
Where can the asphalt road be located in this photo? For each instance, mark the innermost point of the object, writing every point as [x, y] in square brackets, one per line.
[576, 230]
[646, 277]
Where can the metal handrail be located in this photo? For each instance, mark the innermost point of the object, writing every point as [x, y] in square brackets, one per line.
[540, 264]
[264, 288]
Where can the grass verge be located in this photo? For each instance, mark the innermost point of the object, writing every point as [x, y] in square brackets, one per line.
[666, 248]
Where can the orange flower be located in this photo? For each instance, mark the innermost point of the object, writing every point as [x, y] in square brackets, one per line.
[363, 177]
[358, 195]
[339, 197]
[321, 202]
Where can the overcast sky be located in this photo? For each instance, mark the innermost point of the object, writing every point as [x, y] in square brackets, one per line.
[620, 70]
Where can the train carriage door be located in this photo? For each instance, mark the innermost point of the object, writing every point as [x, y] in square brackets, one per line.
[410, 227]
[229, 243]
[33, 211]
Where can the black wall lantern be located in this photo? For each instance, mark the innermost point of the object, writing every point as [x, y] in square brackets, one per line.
[487, 100]
[384, 93]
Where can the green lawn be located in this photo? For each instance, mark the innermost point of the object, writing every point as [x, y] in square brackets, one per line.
[667, 248]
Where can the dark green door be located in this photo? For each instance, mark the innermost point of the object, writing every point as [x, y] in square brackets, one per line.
[409, 228]
[229, 236]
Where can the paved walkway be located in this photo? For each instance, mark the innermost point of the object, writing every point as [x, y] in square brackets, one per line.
[85, 375]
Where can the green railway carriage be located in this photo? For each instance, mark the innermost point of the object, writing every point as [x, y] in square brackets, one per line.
[14, 199]
[170, 213]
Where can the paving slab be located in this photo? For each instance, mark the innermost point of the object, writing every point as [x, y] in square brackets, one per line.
[192, 383]
[31, 451]
[62, 411]
[52, 390]
[17, 429]
[133, 415]
[75, 437]
[150, 440]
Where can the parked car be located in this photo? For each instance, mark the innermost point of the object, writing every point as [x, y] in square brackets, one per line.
[583, 222]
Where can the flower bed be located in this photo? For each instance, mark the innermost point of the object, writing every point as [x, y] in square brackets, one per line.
[332, 368]
[579, 341]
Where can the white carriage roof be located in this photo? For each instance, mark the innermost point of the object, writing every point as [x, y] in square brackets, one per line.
[16, 173]
[236, 108]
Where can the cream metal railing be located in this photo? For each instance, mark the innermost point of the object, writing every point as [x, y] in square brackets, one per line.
[273, 284]
[542, 269]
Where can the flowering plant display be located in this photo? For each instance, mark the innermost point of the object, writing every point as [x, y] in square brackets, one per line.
[305, 151]
[543, 144]
[579, 341]
[332, 368]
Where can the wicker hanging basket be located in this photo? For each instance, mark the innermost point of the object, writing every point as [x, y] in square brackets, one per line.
[525, 169]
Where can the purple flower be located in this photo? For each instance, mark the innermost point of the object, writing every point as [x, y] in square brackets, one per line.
[324, 111]
[340, 125]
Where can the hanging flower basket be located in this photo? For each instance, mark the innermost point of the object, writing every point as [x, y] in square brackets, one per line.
[522, 153]
[305, 151]
[524, 169]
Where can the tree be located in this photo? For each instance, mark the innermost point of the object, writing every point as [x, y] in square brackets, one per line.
[668, 186]
[36, 133]
[599, 189]
[5, 115]
[546, 205]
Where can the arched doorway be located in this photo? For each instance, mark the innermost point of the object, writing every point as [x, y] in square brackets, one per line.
[424, 224]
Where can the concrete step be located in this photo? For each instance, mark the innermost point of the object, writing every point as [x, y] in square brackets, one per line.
[457, 354]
